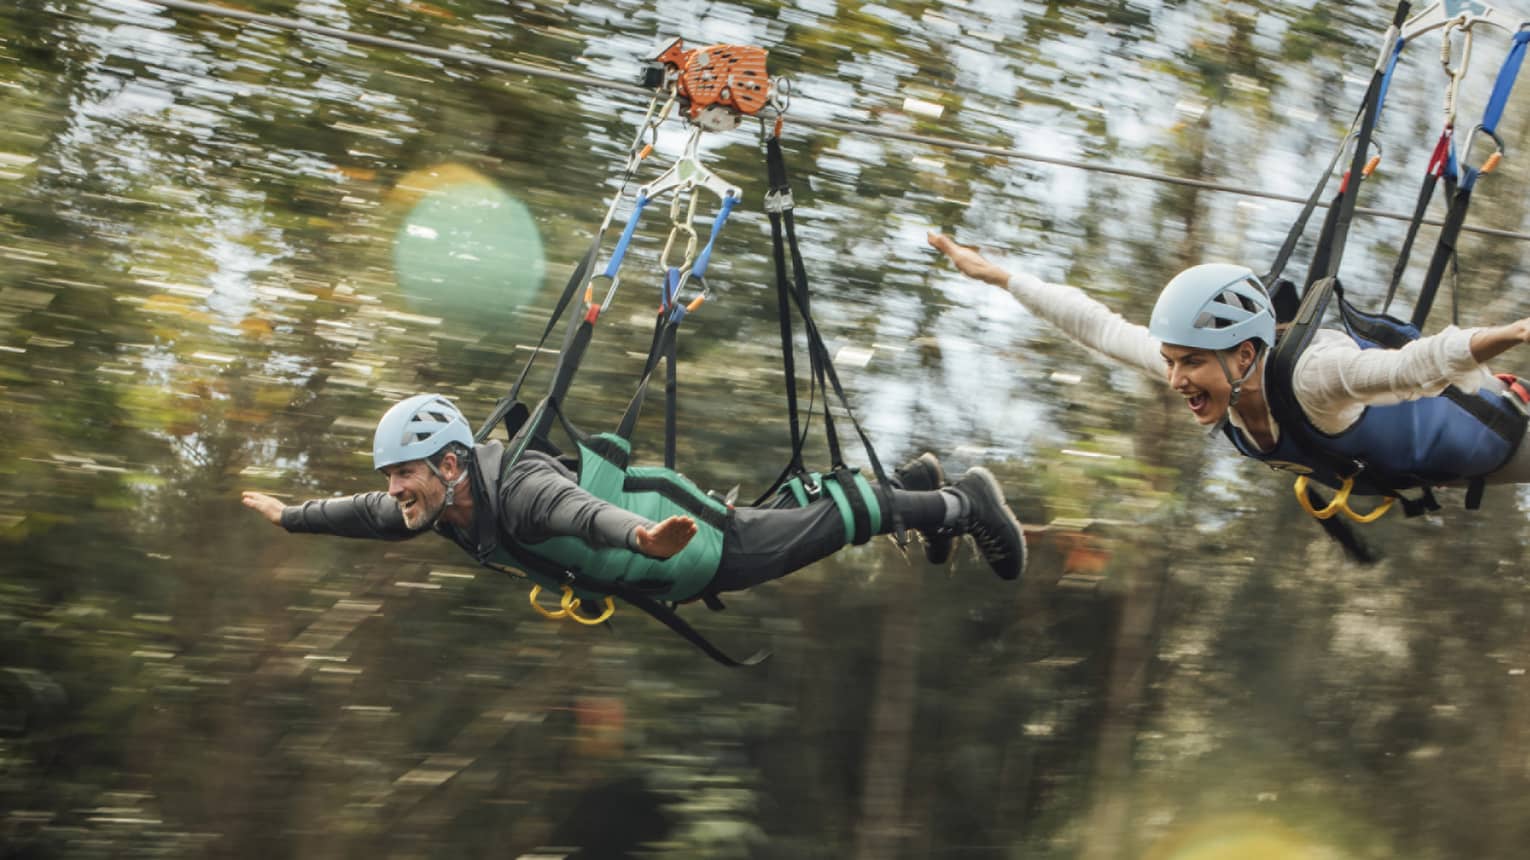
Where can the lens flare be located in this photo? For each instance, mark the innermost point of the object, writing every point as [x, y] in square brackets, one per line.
[466, 249]
[1240, 837]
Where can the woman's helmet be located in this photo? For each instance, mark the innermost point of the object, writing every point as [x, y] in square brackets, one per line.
[1213, 306]
[416, 428]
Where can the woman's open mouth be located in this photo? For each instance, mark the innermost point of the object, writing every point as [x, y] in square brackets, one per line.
[1198, 403]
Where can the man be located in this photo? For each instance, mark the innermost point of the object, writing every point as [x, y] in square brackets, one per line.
[531, 512]
[1381, 410]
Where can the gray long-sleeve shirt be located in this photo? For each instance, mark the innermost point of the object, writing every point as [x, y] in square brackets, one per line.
[539, 499]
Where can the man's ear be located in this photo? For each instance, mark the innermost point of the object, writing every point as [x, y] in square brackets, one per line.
[450, 466]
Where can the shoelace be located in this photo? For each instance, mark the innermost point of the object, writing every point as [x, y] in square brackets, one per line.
[989, 544]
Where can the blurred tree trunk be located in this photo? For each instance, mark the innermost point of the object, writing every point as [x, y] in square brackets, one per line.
[889, 743]
[1136, 634]
[1142, 583]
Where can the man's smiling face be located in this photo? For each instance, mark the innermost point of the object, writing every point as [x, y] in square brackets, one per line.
[420, 493]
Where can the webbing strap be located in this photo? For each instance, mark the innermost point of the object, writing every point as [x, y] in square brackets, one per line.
[665, 332]
[1369, 108]
[1294, 235]
[780, 191]
[669, 618]
[783, 229]
[1506, 425]
[1341, 531]
[576, 282]
[1329, 252]
[1504, 84]
[846, 489]
[1437, 164]
[671, 396]
[1444, 249]
[665, 615]
[1455, 217]
[822, 364]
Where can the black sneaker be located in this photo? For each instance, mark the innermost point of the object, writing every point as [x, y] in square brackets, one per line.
[991, 523]
[924, 474]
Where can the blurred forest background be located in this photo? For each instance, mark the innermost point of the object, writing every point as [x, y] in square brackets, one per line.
[221, 262]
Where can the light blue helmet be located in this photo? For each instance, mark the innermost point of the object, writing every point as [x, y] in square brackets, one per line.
[1213, 306]
[416, 428]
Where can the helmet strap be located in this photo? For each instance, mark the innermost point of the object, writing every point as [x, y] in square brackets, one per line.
[1237, 384]
[451, 488]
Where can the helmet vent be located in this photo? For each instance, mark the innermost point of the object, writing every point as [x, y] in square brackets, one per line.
[1225, 309]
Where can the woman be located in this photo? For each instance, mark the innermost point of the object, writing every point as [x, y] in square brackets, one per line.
[1427, 414]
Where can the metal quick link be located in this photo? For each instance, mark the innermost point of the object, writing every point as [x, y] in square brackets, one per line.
[777, 202]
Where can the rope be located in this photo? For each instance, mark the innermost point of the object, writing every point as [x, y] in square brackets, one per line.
[474, 59]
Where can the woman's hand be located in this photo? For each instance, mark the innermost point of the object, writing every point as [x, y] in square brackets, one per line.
[969, 261]
[1489, 343]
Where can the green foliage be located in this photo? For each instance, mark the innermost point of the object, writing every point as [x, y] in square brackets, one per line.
[199, 296]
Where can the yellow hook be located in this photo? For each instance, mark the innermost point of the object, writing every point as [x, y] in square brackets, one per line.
[1340, 503]
[546, 613]
[571, 603]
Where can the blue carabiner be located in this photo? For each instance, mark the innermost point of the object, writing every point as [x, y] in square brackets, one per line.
[620, 251]
[700, 267]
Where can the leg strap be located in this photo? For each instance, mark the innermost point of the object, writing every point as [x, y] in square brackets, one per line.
[858, 504]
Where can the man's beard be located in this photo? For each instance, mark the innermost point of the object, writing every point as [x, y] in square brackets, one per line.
[420, 517]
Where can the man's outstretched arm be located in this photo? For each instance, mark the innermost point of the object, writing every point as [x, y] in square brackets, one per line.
[365, 515]
[540, 500]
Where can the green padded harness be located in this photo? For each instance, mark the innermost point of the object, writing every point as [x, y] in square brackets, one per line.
[653, 493]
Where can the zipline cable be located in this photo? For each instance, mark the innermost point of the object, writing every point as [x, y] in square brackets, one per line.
[474, 59]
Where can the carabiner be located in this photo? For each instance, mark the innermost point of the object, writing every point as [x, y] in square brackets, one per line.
[1491, 161]
[690, 247]
[1370, 164]
[1340, 503]
[1458, 73]
[547, 613]
[571, 603]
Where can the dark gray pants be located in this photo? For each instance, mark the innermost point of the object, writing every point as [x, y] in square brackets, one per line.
[762, 544]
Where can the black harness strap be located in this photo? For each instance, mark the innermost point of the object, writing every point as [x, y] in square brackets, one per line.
[1294, 235]
[669, 618]
[1455, 217]
[860, 515]
[777, 201]
[1335, 234]
[662, 349]
[783, 230]
[1336, 226]
[1340, 531]
[1279, 369]
[1437, 164]
[664, 614]
[1444, 254]
[671, 396]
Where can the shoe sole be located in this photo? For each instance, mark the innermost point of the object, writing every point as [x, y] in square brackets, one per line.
[992, 484]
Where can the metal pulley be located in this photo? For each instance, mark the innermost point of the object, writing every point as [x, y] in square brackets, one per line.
[720, 85]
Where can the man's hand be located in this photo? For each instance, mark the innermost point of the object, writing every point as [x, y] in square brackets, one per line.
[269, 507]
[968, 261]
[666, 538]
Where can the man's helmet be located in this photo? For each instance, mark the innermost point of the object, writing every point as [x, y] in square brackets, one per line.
[1213, 306]
[416, 428]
